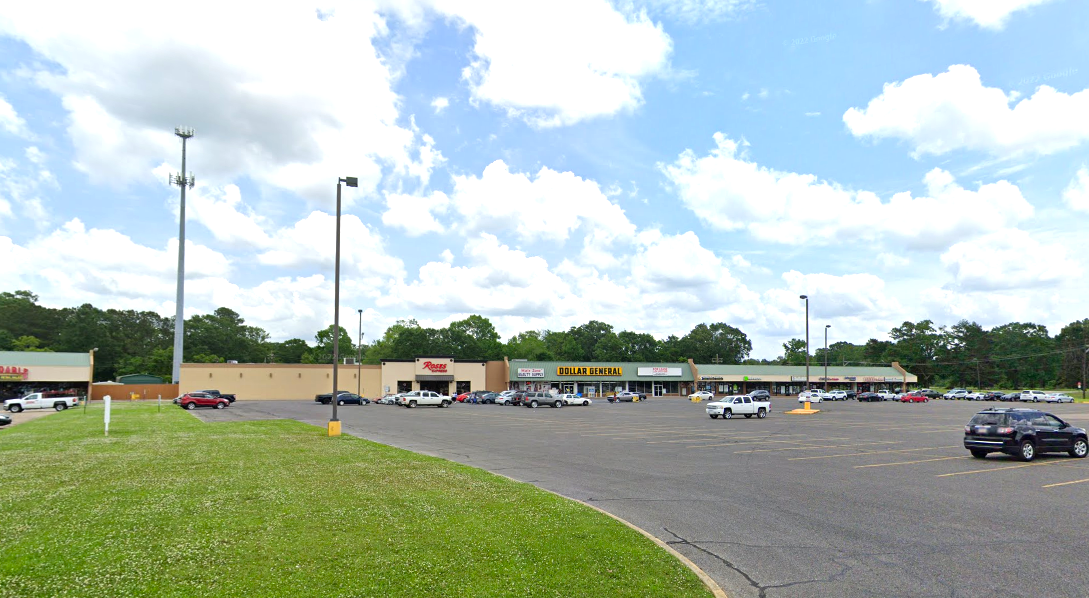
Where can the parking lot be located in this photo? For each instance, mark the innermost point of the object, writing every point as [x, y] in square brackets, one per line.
[862, 499]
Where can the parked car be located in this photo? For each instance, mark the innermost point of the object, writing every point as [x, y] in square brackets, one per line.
[535, 399]
[851, 394]
[525, 397]
[811, 396]
[1023, 433]
[627, 396]
[870, 397]
[5, 420]
[838, 395]
[994, 395]
[423, 397]
[761, 395]
[327, 398]
[956, 393]
[1011, 396]
[727, 407]
[930, 394]
[192, 400]
[1059, 397]
[215, 393]
[1033, 396]
[42, 400]
[913, 397]
[702, 395]
[974, 396]
[571, 399]
[350, 398]
[887, 395]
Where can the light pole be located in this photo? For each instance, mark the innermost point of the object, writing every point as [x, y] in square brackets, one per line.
[1083, 358]
[179, 318]
[806, 298]
[826, 327]
[359, 359]
[334, 423]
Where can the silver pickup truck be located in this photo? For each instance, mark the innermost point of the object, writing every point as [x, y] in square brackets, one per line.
[727, 407]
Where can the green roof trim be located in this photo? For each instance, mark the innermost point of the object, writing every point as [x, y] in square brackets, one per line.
[628, 371]
[45, 359]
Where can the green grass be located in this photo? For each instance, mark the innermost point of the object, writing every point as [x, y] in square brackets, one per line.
[170, 506]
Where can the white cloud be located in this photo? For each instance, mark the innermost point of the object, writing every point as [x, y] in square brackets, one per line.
[951, 111]
[415, 215]
[988, 14]
[596, 71]
[10, 120]
[696, 11]
[1076, 193]
[729, 192]
[549, 205]
[260, 107]
[892, 261]
[1009, 259]
[226, 216]
[812, 113]
[439, 104]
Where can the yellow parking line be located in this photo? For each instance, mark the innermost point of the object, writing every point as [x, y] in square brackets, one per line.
[1067, 483]
[943, 475]
[873, 453]
[909, 462]
[807, 448]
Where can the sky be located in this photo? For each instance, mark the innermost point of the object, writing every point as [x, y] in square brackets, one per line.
[651, 164]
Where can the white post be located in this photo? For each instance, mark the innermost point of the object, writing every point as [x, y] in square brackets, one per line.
[106, 416]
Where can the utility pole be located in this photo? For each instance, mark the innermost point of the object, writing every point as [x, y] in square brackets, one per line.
[359, 359]
[183, 181]
[826, 327]
[806, 299]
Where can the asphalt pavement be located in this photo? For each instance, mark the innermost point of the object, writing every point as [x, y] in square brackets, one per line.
[862, 499]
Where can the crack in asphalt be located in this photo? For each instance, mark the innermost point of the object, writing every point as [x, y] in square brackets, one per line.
[762, 590]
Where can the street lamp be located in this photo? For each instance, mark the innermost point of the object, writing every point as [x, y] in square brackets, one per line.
[334, 423]
[359, 359]
[826, 327]
[1083, 358]
[806, 298]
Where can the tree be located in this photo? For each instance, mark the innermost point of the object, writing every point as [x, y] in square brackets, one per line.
[1073, 342]
[323, 352]
[793, 352]
[21, 315]
[474, 338]
[637, 346]
[1025, 352]
[705, 342]
[160, 362]
[289, 351]
[585, 339]
[224, 332]
[29, 343]
[527, 345]
[916, 348]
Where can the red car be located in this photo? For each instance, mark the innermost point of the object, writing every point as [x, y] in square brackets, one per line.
[913, 397]
[202, 399]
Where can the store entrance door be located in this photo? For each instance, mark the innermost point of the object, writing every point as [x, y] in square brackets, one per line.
[659, 390]
[569, 388]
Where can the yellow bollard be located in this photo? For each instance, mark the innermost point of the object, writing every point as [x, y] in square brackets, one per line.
[807, 404]
[334, 428]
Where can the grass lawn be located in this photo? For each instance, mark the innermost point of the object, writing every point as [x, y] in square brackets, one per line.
[170, 506]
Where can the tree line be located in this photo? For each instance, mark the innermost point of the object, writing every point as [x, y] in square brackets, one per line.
[1013, 355]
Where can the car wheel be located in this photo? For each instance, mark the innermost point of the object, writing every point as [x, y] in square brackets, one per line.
[586, 403]
[60, 406]
[190, 406]
[979, 454]
[15, 408]
[411, 404]
[445, 404]
[762, 413]
[220, 405]
[557, 404]
[340, 402]
[1080, 448]
[1028, 450]
[533, 404]
[713, 415]
[728, 414]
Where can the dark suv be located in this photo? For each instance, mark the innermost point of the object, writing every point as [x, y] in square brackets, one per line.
[1022, 433]
[761, 395]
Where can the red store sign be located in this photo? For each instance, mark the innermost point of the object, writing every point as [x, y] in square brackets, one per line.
[11, 371]
[434, 367]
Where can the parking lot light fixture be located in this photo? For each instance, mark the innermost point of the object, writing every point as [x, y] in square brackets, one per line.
[826, 327]
[334, 423]
[359, 358]
[806, 299]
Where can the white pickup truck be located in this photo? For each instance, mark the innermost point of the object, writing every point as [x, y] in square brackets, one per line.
[745, 405]
[423, 397]
[36, 400]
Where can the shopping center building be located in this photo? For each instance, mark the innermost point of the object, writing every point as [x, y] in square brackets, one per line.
[447, 375]
[24, 372]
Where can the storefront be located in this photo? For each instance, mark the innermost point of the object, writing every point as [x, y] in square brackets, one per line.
[24, 372]
[791, 380]
[444, 375]
[591, 379]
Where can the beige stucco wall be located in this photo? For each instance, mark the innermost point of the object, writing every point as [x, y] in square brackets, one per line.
[275, 381]
[475, 373]
[44, 373]
[498, 376]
